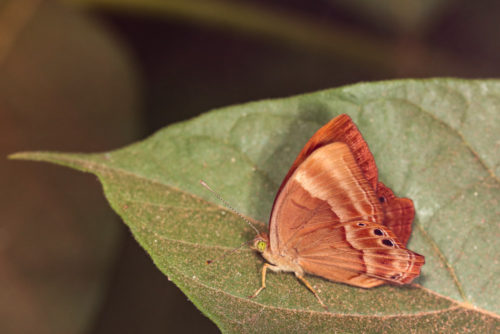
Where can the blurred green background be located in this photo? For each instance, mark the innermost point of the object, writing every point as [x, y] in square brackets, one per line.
[95, 75]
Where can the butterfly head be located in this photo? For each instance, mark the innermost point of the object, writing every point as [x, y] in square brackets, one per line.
[261, 243]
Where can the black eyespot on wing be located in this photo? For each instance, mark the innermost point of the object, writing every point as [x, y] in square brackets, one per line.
[378, 232]
[388, 242]
[395, 276]
[361, 224]
[381, 199]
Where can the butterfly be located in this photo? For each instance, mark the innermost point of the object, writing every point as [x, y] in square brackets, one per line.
[332, 218]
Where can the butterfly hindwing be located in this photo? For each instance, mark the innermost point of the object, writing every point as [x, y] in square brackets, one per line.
[329, 219]
[399, 212]
[359, 253]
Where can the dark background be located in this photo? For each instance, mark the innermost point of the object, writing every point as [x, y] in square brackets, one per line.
[92, 76]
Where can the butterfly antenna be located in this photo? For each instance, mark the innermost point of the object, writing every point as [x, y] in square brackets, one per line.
[219, 197]
[223, 255]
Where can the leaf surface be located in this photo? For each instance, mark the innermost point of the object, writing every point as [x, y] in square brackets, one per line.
[435, 141]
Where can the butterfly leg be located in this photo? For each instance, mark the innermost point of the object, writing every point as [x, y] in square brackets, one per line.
[264, 271]
[309, 286]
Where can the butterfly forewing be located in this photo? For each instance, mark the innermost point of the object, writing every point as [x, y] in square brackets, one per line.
[327, 188]
[340, 129]
[399, 211]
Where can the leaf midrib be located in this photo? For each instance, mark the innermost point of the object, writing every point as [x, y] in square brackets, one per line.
[320, 313]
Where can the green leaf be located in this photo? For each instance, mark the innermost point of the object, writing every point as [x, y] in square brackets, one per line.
[435, 141]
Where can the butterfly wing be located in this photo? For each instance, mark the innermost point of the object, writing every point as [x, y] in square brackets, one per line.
[327, 188]
[399, 212]
[325, 219]
[358, 253]
[340, 129]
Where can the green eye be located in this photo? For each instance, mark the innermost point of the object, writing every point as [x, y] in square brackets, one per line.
[261, 246]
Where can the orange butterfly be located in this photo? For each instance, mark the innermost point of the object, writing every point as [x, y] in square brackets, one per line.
[332, 217]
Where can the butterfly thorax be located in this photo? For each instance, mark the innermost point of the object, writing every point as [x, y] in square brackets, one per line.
[279, 262]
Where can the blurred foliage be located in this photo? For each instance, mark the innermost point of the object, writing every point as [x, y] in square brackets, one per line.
[398, 16]
[90, 75]
[58, 237]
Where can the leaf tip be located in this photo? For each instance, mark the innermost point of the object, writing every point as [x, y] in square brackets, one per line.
[21, 156]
